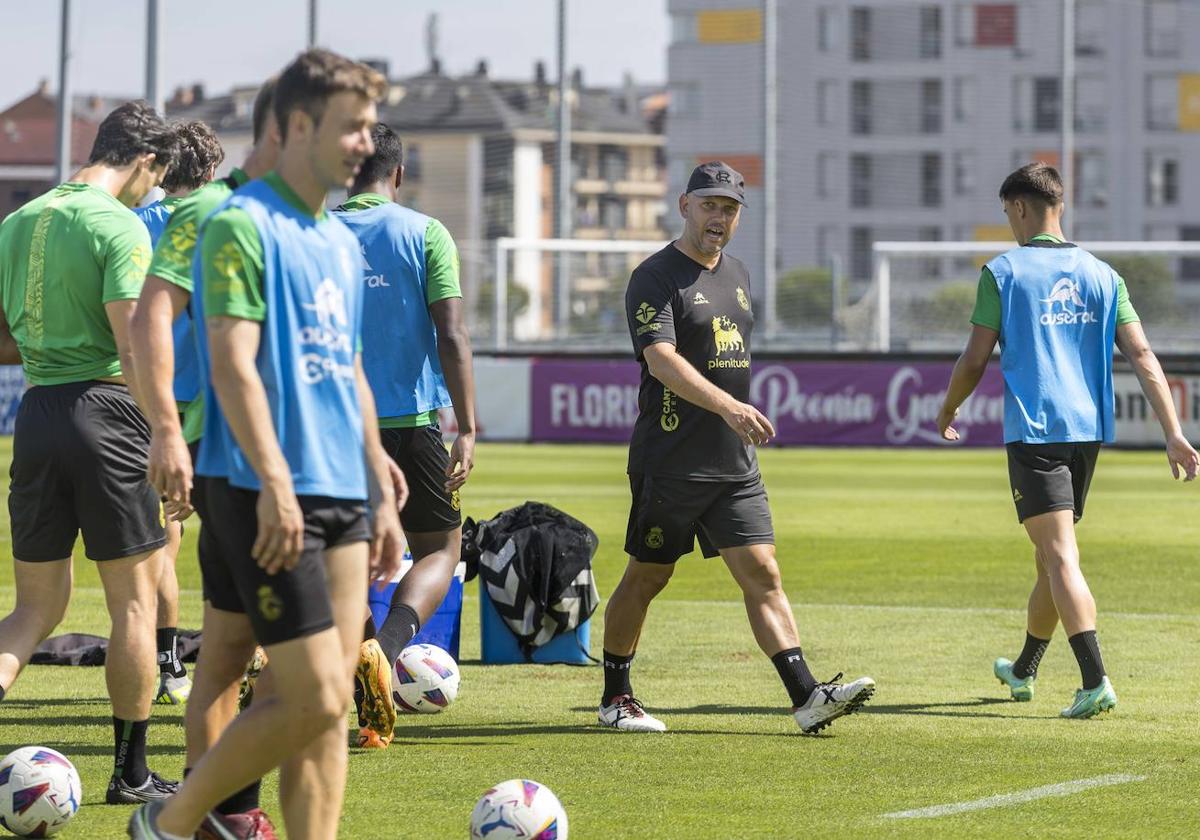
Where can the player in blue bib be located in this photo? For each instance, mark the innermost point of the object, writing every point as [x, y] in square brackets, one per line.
[1057, 312]
[290, 453]
[200, 154]
[417, 356]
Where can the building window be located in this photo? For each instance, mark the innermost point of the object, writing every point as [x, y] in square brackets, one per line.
[1162, 102]
[964, 99]
[1091, 103]
[860, 34]
[931, 180]
[826, 162]
[985, 25]
[1162, 28]
[931, 106]
[860, 107]
[683, 100]
[860, 180]
[931, 32]
[412, 162]
[829, 28]
[612, 213]
[683, 28]
[860, 253]
[1036, 103]
[1091, 183]
[826, 244]
[964, 172]
[614, 163]
[827, 91]
[1091, 27]
[1162, 179]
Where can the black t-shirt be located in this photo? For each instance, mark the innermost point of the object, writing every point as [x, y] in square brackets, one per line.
[708, 316]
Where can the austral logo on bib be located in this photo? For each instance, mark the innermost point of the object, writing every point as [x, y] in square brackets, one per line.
[1066, 294]
[374, 280]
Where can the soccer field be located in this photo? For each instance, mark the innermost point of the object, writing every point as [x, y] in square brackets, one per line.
[908, 566]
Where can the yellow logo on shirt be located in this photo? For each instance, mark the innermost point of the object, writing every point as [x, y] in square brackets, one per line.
[183, 237]
[743, 300]
[645, 313]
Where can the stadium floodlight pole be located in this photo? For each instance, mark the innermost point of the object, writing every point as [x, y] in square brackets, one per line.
[563, 193]
[770, 161]
[63, 152]
[1067, 156]
[154, 94]
[312, 23]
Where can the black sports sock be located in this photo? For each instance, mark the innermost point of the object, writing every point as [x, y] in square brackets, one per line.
[130, 750]
[793, 670]
[1026, 664]
[1087, 652]
[395, 634]
[168, 652]
[616, 676]
[244, 800]
[369, 630]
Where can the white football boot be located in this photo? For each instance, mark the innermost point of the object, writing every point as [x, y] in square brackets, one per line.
[832, 700]
[626, 713]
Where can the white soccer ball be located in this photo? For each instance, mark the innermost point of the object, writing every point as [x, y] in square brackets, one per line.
[39, 791]
[426, 680]
[519, 810]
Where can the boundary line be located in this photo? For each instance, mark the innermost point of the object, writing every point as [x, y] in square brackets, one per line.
[1005, 799]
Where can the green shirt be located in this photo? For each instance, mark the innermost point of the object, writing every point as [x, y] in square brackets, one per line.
[442, 283]
[63, 256]
[987, 298]
[173, 262]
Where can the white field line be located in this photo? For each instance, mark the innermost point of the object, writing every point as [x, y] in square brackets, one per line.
[875, 608]
[902, 608]
[1006, 799]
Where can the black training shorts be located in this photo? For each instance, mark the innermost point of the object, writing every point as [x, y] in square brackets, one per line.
[668, 514]
[288, 604]
[79, 465]
[422, 456]
[1050, 476]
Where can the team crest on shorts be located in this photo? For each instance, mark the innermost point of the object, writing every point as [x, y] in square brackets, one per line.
[270, 606]
[454, 501]
[654, 537]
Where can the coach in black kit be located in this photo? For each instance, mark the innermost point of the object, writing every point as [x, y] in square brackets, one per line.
[693, 470]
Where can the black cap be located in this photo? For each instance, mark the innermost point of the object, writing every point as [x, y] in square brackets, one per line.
[718, 178]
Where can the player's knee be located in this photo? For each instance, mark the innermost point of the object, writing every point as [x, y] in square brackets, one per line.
[648, 579]
[762, 577]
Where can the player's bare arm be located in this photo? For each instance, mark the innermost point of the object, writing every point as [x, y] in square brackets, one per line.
[673, 371]
[1135, 347]
[234, 345]
[968, 370]
[120, 313]
[10, 354]
[387, 541]
[170, 466]
[454, 351]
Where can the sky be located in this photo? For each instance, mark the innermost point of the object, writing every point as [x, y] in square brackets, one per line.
[222, 43]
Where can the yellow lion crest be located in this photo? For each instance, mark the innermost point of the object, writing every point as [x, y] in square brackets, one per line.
[727, 335]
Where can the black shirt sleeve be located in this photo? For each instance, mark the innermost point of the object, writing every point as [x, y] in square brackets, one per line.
[649, 309]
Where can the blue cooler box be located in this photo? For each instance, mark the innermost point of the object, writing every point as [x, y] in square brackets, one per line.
[500, 646]
[443, 628]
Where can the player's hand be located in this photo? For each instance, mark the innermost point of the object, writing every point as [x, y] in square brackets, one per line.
[175, 511]
[750, 424]
[399, 483]
[944, 419]
[462, 461]
[1182, 456]
[280, 529]
[169, 472]
[387, 546]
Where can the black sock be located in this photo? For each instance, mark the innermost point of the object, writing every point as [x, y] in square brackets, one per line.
[369, 630]
[130, 750]
[616, 676]
[1027, 663]
[395, 634]
[1087, 652]
[168, 652]
[793, 670]
[244, 800]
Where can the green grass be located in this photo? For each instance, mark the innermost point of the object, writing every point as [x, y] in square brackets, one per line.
[905, 565]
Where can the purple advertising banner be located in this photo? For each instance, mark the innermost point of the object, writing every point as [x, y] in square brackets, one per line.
[866, 403]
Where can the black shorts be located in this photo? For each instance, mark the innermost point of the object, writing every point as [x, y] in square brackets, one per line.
[1050, 476]
[79, 465]
[423, 457]
[668, 514]
[288, 604]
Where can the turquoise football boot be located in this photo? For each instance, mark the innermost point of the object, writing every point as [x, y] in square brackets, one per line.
[1021, 689]
[1091, 703]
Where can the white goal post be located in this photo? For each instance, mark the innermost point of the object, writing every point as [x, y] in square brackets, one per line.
[884, 255]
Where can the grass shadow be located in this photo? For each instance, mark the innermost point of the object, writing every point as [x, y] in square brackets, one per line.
[939, 709]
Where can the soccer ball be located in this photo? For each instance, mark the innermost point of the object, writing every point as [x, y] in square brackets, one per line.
[39, 792]
[426, 680]
[519, 810]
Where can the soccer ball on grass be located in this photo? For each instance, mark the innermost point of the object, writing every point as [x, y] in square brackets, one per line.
[426, 680]
[39, 791]
[519, 810]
